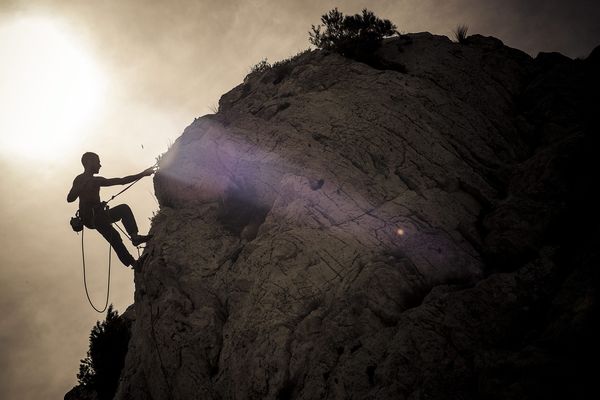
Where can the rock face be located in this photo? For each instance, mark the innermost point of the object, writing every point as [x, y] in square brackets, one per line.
[407, 231]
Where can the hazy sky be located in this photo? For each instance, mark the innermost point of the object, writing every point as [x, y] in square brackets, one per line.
[123, 79]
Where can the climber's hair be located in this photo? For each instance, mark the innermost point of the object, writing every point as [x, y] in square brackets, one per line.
[87, 158]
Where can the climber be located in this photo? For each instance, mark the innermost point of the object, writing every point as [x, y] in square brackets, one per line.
[92, 211]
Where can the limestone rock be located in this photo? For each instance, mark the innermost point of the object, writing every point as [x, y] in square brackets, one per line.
[343, 231]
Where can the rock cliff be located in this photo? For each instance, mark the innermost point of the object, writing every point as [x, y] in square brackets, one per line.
[420, 228]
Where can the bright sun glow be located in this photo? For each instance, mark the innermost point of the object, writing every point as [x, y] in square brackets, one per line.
[50, 88]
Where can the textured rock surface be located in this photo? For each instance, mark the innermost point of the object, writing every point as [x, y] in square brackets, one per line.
[277, 268]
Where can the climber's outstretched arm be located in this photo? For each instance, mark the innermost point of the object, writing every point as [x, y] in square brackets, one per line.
[125, 180]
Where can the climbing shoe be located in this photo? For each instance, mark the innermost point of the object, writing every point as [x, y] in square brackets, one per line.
[139, 239]
[137, 264]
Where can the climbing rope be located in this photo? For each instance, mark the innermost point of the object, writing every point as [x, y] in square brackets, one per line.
[130, 185]
[87, 294]
[85, 279]
[128, 237]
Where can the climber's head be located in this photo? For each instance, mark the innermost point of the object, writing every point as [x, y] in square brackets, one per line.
[91, 162]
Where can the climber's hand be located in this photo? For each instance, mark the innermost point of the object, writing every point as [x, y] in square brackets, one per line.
[148, 171]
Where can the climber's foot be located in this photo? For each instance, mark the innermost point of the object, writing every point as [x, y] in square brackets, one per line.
[139, 239]
[137, 264]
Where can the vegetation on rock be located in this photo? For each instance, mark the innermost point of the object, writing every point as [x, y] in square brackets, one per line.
[460, 33]
[261, 66]
[355, 36]
[101, 369]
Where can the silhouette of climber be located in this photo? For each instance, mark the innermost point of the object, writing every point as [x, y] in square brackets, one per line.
[92, 211]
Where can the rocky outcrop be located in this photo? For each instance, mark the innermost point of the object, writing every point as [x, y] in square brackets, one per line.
[343, 231]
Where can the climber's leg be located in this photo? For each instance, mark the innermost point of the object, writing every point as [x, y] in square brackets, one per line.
[113, 237]
[123, 213]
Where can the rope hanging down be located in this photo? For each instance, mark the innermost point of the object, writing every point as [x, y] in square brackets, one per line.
[85, 279]
[87, 294]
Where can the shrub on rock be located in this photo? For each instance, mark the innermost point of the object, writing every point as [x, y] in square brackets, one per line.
[355, 36]
[101, 369]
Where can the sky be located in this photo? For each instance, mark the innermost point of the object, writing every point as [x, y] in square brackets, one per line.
[123, 79]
